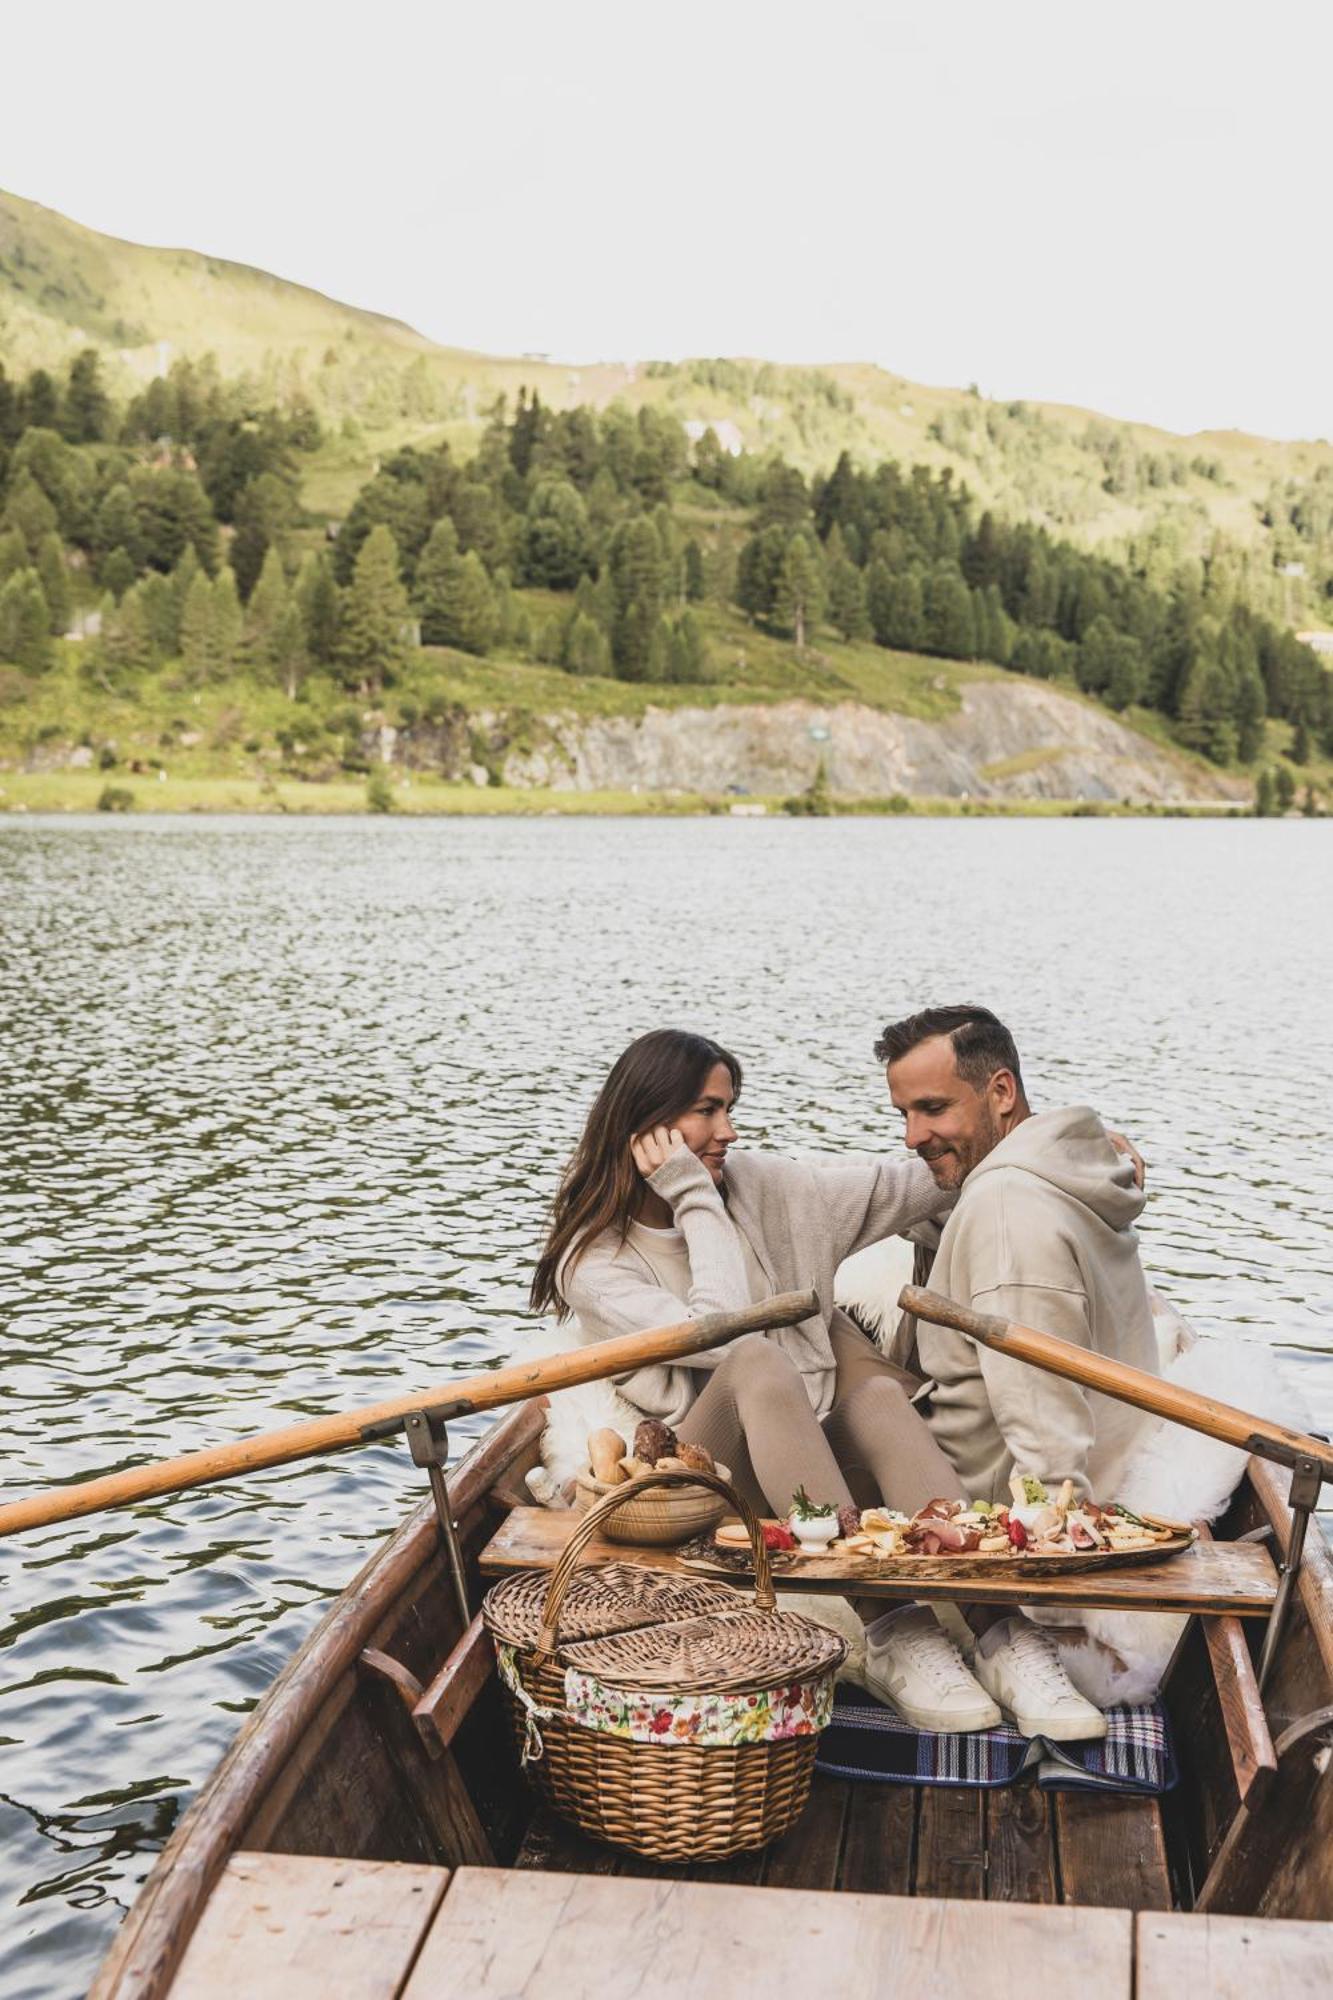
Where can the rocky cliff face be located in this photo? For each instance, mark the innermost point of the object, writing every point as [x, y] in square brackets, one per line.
[1011, 739]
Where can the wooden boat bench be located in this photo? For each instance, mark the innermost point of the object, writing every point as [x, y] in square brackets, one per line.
[1235, 1578]
[294, 1927]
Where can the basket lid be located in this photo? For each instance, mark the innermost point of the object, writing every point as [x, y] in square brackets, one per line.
[716, 1653]
[602, 1599]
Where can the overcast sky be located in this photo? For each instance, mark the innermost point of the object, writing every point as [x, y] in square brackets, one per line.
[1123, 206]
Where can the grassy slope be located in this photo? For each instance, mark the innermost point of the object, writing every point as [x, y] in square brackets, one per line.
[217, 747]
[62, 286]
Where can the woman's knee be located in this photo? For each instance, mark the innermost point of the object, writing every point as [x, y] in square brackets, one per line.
[756, 1367]
[880, 1400]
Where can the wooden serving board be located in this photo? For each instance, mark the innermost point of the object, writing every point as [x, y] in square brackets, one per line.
[1216, 1577]
[713, 1559]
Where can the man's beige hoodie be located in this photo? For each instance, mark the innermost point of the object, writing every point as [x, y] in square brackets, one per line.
[1042, 1234]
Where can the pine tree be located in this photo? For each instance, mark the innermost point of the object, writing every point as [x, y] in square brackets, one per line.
[228, 621]
[179, 582]
[30, 511]
[124, 645]
[197, 646]
[695, 583]
[161, 614]
[25, 622]
[1284, 788]
[55, 583]
[435, 567]
[688, 658]
[467, 615]
[1249, 711]
[13, 552]
[846, 595]
[116, 525]
[1265, 795]
[265, 612]
[799, 600]
[375, 613]
[86, 415]
[586, 650]
[318, 599]
[949, 625]
[1310, 805]
[115, 572]
[290, 659]
[1300, 742]
[1128, 673]
[635, 561]
[40, 401]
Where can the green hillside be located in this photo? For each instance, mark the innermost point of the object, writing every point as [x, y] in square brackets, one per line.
[1128, 487]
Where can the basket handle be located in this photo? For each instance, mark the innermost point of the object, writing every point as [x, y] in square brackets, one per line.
[564, 1569]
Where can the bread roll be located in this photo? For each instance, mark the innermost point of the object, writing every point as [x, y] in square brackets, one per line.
[634, 1468]
[697, 1457]
[605, 1451]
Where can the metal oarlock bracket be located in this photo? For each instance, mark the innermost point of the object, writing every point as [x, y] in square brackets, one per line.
[428, 1442]
[1306, 1483]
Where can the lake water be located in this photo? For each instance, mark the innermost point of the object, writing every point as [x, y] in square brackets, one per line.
[282, 1103]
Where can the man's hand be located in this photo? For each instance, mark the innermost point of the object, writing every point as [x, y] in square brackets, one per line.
[1130, 1151]
[653, 1149]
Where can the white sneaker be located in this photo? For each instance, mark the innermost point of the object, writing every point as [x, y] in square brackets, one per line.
[911, 1663]
[1025, 1676]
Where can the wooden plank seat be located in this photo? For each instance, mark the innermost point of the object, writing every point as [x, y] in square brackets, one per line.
[299, 1927]
[1232, 1958]
[1214, 1577]
[528, 1936]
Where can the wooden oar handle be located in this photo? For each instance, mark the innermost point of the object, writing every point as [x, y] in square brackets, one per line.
[461, 1397]
[1116, 1378]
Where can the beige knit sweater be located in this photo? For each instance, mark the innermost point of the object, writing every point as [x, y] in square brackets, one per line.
[800, 1218]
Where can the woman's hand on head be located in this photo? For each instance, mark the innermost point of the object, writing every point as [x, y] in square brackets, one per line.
[653, 1149]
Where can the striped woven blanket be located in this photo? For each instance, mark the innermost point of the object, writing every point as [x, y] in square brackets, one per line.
[867, 1740]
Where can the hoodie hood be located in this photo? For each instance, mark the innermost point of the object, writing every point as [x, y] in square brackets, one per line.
[1070, 1149]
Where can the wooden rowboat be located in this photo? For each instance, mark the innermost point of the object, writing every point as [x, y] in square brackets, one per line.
[369, 1832]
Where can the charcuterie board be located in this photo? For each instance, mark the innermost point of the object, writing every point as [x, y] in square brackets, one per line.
[711, 1557]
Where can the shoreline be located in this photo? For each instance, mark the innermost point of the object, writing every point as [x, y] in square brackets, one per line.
[415, 796]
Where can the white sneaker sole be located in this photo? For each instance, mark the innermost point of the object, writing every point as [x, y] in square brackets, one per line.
[941, 1721]
[1060, 1728]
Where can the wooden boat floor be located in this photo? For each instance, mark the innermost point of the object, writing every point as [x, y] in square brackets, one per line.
[294, 1927]
[1016, 1844]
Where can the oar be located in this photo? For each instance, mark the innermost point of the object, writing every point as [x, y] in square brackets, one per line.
[1310, 1458]
[445, 1401]
[1118, 1379]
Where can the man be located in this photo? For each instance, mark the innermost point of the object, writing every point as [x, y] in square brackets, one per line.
[1042, 1233]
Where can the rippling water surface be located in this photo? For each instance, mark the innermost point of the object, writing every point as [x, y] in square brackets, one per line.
[281, 1105]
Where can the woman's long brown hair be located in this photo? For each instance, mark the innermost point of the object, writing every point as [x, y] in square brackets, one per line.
[656, 1080]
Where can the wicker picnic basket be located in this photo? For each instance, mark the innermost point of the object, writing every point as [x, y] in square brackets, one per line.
[664, 1714]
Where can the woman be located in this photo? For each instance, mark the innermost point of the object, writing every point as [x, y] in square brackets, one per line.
[651, 1216]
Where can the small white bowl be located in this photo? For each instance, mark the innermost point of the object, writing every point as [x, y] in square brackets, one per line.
[814, 1533]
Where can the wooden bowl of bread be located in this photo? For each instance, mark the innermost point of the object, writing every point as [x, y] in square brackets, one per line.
[659, 1520]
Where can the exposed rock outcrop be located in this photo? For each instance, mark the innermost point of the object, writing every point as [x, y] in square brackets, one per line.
[1012, 739]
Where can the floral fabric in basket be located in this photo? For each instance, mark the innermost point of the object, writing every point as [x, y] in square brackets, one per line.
[711, 1721]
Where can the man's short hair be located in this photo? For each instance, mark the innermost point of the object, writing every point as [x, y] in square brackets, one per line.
[981, 1042]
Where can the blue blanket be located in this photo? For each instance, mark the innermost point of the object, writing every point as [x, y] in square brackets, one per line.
[867, 1740]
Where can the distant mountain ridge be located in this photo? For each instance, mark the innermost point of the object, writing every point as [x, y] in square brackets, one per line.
[1092, 478]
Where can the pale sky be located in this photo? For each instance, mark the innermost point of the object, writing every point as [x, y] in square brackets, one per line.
[1123, 206]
